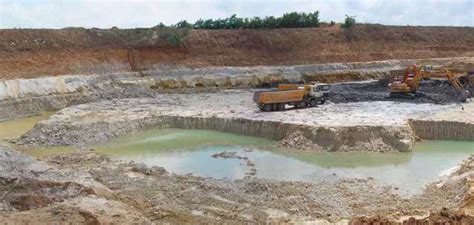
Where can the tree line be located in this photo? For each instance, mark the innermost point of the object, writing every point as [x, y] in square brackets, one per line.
[288, 20]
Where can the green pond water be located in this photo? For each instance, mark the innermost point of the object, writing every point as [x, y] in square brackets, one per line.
[15, 128]
[190, 151]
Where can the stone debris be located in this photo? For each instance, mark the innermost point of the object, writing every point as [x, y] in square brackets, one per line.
[297, 140]
[227, 155]
[245, 161]
[144, 169]
[444, 216]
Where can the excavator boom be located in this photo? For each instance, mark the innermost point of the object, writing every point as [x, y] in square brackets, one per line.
[455, 82]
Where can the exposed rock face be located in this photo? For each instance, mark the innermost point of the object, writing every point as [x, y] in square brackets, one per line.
[25, 97]
[96, 122]
[299, 141]
[456, 123]
[38, 52]
[320, 138]
[360, 138]
[19, 98]
[447, 130]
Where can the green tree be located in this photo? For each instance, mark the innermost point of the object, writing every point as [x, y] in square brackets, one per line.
[288, 20]
[183, 24]
[199, 24]
[349, 22]
[161, 25]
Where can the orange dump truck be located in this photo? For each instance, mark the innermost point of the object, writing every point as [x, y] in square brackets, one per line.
[291, 94]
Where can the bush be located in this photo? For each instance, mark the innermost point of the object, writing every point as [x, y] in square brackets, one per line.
[160, 25]
[174, 40]
[348, 22]
[183, 24]
[173, 37]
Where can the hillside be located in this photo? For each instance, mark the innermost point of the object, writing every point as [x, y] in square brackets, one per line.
[38, 52]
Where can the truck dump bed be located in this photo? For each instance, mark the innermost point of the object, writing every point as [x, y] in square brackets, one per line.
[267, 97]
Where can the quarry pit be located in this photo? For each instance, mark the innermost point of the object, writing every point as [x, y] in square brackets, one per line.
[89, 159]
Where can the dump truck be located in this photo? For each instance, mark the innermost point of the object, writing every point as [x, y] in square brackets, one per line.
[291, 94]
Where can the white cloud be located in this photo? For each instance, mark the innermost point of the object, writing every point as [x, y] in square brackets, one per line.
[146, 13]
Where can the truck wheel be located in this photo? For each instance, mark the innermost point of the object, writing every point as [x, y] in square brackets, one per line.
[267, 107]
[274, 107]
[281, 107]
[301, 104]
[313, 102]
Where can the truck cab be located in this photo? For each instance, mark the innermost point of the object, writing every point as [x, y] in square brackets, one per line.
[314, 91]
[320, 91]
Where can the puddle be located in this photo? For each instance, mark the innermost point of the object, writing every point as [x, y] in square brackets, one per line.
[15, 128]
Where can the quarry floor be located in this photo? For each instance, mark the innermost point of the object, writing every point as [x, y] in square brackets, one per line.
[87, 187]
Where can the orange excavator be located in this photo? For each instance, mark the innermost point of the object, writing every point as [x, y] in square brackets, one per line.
[407, 86]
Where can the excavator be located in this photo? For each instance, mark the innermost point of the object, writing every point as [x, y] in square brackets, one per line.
[407, 86]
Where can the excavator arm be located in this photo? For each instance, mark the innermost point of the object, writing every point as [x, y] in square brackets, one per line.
[417, 76]
[455, 82]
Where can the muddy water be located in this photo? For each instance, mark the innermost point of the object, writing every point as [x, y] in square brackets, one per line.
[15, 128]
[190, 151]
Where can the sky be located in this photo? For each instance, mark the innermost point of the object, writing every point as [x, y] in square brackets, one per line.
[148, 13]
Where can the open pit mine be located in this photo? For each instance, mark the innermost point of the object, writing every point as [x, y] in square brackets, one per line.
[98, 130]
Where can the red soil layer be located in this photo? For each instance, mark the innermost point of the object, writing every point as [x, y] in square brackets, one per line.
[38, 52]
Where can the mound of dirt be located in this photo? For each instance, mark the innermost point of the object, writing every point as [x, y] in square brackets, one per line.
[444, 216]
[39, 52]
[379, 220]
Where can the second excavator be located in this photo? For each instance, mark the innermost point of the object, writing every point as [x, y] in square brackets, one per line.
[407, 85]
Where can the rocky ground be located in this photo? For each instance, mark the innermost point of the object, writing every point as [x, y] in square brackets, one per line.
[376, 126]
[87, 187]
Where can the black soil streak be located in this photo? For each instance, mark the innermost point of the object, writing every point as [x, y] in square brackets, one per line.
[431, 91]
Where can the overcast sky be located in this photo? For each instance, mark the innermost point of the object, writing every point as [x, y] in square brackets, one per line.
[147, 13]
